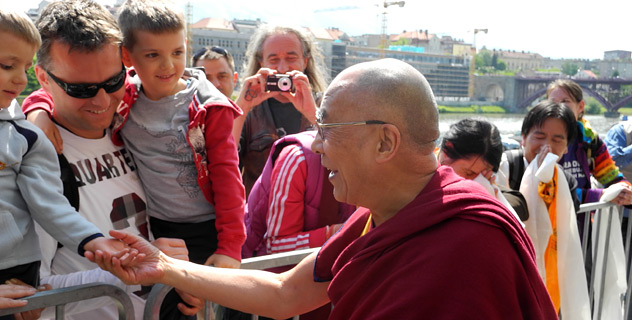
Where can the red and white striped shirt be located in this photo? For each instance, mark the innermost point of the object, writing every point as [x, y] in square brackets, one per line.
[285, 218]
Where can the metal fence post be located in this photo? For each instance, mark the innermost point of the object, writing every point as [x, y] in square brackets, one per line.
[62, 296]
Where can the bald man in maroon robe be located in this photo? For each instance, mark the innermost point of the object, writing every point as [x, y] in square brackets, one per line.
[424, 243]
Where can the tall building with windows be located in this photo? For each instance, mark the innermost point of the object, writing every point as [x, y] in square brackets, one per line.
[231, 35]
[448, 75]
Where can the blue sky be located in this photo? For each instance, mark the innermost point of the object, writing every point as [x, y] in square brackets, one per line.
[585, 29]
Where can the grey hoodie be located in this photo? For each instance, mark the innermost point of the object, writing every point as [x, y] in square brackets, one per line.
[31, 189]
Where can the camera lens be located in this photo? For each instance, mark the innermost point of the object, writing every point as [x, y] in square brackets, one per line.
[285, 84]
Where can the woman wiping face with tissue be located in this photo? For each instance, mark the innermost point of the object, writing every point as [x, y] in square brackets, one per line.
[472, 147]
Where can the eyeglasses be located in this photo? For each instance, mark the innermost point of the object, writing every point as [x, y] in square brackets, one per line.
[322, 126]
[204, 50]
[89, 90]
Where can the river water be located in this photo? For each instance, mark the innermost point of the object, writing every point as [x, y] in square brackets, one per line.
[510, 124]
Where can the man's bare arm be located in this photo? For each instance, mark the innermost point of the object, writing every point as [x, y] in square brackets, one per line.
[253, 291]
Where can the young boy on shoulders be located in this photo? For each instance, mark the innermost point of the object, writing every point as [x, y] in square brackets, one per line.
[179, 131]
[29, 173]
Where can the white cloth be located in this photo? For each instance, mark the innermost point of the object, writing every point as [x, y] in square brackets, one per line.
[502, 176]
[111, 197]
[547, 168]
[615, 281]
[611, 192]
[493, 190]
[574, 302]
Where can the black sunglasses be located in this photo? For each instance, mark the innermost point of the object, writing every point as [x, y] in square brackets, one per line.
[89, 90]
[204, 50]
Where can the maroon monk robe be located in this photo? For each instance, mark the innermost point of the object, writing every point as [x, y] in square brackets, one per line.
[454, 252]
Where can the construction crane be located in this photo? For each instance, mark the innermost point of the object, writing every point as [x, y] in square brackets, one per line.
[472, 63]
[383, 42]
[189, 13]
[337, 9]
[384, 5]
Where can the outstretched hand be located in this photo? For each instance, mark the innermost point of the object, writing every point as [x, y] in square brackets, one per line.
[111, 246]
[147, 267]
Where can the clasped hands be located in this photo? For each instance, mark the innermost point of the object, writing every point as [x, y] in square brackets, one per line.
[129, 252]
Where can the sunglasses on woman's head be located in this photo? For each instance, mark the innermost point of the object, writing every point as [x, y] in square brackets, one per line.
[89, 90]
[204, 50]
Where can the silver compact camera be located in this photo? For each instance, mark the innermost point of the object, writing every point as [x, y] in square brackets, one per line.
[279, 82]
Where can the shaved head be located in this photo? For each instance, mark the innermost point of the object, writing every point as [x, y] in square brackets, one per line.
[392, 91]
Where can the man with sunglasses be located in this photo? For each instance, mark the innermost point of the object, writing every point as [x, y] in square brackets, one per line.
[219, 68]
[80, 70]
[425, 243]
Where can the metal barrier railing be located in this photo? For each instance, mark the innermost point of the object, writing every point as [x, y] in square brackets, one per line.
[603, 213]
[159, 291]
[62, 296]
[601, 210]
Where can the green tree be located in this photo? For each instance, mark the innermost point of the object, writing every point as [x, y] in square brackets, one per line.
[501, 65]
[593, 108]
[483, 59]
[32, 84]
[401, 42]
[494, 62]
[615, 73]
[569, 68]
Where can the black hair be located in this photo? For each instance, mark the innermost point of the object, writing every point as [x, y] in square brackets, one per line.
[470, 137]
[546, 109]
[85, 26]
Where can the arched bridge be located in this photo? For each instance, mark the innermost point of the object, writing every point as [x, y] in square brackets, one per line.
[518, 93]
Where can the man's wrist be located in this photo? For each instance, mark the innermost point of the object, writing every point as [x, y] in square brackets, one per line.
[245, 106]
[310, 115]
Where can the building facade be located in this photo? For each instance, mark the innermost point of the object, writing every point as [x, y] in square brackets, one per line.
[230, 35]
[447, 75]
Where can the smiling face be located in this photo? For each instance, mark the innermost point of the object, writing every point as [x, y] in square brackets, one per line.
[344, 150]
[89, 117]
[159, 60]
[283, 53]
[560, 95]
[552, 133]
[15, 60]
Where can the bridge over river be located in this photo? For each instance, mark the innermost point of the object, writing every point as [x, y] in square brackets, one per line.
[516, 93]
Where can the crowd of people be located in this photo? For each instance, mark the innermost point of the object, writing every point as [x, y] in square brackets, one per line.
[124, 140]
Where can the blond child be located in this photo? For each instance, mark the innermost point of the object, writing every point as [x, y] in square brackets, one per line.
[29, 173]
